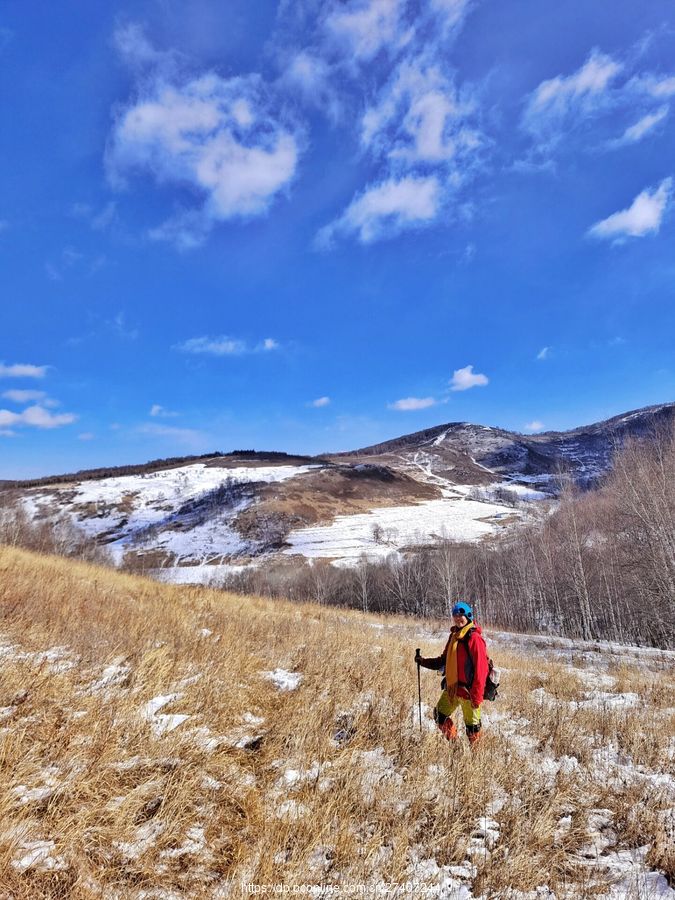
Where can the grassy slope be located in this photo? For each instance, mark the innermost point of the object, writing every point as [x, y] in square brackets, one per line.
[122, 830]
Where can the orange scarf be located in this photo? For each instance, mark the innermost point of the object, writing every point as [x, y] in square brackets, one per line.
[451, 676]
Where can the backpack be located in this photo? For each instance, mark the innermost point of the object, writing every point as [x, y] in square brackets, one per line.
[491, 682]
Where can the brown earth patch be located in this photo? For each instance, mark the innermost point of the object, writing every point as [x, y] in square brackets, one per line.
[317, 498]
[453, 465]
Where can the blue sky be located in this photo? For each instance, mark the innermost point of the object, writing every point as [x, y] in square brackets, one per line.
[311, 226]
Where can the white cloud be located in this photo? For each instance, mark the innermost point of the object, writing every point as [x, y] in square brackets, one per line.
[385, 208]
[135, 49]
[463, 379]
[452, 12]
[35, 416]
[311, 76]
[644, 126]
[643, 216]
[659, 87]
[544, 353]
[534, 426]
[216, 346]
[223, 137]
[24, 396]
[410, 404]
[560, 106]
[599, 92]
[364, 27]
[390, 58]
[86, 436]
[226, 346]
[158, 411]
[581, 91]
[418, 117]
[320, 402]
[22, 370]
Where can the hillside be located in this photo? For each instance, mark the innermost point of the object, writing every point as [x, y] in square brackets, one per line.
[198, 519]
[158, 741]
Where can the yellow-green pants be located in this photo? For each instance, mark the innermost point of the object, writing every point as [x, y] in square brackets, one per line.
[446, 707]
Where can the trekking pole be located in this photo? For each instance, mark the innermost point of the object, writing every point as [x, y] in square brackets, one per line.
[419, 690]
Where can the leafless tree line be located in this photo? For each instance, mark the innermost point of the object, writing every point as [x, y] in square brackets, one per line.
[55, 535]
[602, 566]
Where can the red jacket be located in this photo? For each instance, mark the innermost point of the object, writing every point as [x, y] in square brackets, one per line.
[472, 664]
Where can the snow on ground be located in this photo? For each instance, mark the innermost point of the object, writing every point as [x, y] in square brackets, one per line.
[380, 532]
[283, 680]
[209, 575]
[161, 723]
[574, 650]
[38, 856]
[128, 504]
[377, 779]
[170, 511]
[521, 491]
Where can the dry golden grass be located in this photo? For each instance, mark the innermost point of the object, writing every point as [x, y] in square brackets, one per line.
[335, 786]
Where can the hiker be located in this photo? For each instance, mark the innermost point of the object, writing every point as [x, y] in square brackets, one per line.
[464, 663]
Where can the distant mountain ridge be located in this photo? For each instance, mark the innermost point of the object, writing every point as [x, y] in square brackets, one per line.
[189, 518]
[584, 452]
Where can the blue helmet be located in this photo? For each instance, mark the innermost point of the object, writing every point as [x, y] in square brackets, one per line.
[462, 609]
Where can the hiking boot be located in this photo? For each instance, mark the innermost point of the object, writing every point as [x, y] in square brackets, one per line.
[449, 729]
[474, 738]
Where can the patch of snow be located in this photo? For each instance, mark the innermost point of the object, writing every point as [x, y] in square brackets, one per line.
[246, 735]
[440, 881]
[211, 784]
[292, 778]
[160, 723]
[413, 720]
[31, 795]
[112, 676]
[633, 878]
[574, 650]
[283, 680]
[144, 838]
[601, 699]
[195, 842]
[378, 533]
[291, 811]
[484, 838]
[374, 767]
[214, 575]
[205, 739]
[37, 855]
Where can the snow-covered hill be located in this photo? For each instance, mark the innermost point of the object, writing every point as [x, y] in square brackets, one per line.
[456, 482]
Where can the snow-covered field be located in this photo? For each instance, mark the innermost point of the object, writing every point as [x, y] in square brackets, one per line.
[380, 532]
[614, 869]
